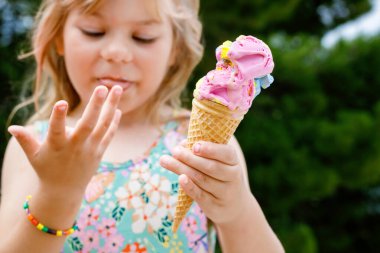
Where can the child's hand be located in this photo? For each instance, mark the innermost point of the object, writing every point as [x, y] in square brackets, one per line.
[212, 175]
[68, 158]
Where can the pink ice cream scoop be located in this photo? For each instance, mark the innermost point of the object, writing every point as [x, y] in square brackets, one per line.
[243, 68]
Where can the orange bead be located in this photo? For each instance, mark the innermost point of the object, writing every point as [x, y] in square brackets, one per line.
[35, 221]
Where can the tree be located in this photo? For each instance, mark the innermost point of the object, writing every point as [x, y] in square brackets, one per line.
[311, 140]
[312, 145]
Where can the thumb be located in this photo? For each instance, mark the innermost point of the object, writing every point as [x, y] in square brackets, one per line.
[27, 142]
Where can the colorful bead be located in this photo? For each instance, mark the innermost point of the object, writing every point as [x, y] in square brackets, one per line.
[50, 231]
[66, 232]
[34, 221]
[42, 227]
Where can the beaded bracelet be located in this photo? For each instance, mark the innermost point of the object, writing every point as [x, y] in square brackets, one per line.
[44, 228]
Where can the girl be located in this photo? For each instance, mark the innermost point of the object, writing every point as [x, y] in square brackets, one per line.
[100, 168]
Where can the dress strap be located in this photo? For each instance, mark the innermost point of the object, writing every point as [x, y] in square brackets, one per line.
[41, 128]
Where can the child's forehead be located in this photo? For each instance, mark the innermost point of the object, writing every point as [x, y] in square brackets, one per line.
[155, 9]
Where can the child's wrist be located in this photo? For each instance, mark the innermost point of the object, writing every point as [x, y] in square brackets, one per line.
[66, 193]
[246, 213]
[55, 208]
[42, 227]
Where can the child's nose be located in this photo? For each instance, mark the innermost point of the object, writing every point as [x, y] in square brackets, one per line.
[117, 50]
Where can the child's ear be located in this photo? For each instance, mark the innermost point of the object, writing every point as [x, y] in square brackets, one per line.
[59, 46]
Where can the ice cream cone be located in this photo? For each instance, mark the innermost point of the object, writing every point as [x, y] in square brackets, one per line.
[224, 95]
[209, 121]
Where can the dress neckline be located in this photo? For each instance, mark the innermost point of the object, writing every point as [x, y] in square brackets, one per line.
[112, 166]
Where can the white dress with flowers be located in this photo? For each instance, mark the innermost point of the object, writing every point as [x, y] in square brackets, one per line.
[129, 207]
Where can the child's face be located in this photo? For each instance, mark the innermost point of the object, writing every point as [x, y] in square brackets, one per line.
[123, 43]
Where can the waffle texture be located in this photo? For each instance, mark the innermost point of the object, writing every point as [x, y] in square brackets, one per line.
[209, 121]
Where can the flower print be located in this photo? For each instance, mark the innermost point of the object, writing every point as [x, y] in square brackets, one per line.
[90, 240]
[97, 185]
[140, 172]
[125, 173]
[176, 250]
[199, 244]
[107, 227]
[156, 188]
[176, 245]
[147, 217]
[189, 225]
[198, 212]
[134, 248]
[172, 139]
[170, 204]
[129, 195]
[73, 243]
[88, 217]
[113, 244]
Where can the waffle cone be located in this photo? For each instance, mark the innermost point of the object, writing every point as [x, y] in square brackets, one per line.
[209, 121]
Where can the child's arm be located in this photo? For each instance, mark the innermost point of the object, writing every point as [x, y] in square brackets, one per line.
[257, 236]
[216, 178]
[55, 172]
[19, 180]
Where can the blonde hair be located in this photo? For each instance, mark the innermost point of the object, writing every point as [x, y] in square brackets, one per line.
[52, 82]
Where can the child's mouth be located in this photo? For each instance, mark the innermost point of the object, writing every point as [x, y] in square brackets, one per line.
[110, 82]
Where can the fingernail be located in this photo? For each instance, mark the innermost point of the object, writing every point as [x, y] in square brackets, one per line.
[61, 108]
[118, 90]
[102, 93]
[12, 131]
[185, 179]
[197, 147]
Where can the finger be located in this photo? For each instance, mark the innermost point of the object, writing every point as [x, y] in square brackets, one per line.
[57, 129]
[111, 131]
[220, 152]
[208, 184]
[27, 142]
[183, 143]
[193, 191]
[210, 167]
[107, 113]
[91, 114]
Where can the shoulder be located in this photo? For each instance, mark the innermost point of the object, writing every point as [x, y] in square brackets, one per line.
[178, 119]
[182, 117]
[169, 113]
[14, 152]
[15, 163]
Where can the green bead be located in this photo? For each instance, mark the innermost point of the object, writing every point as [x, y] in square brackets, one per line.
[26, 205]
[45, 229]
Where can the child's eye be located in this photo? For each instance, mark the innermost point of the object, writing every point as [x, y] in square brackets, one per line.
[92, 33]
[144, 40]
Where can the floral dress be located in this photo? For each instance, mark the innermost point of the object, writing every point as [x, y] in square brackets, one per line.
[129, 206]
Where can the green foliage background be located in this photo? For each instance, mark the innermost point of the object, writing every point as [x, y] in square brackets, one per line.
[312, 140]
